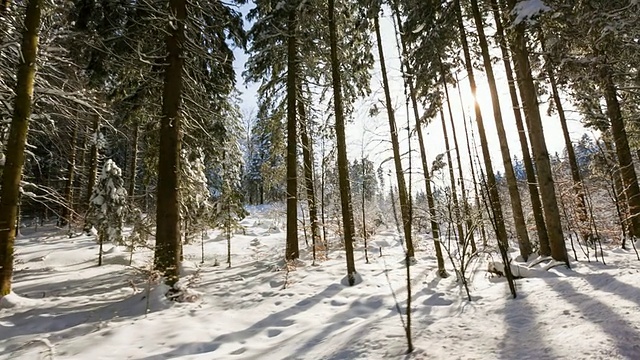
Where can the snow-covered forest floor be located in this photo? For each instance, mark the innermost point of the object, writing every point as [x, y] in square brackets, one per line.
[66, 307]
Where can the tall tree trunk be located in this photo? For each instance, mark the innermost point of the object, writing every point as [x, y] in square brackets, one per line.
[536, 205]
[402, 187]
[538, 143]
[494, 197]
[67, 210]
[435, 227]
[627, 170]
[578, 186]
[167, 252]
[93, 159]
[307, 155]
[452, 181]
[465, 202]
[10, 192]
[292, 250]
[473, 170]
[512, 184]
[343, 162]
[492, 189]
[621, 199]
[134, 163]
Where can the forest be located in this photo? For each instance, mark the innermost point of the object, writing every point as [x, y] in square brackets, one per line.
[148, 205]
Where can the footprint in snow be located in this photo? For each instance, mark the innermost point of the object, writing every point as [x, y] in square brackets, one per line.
[273, 332]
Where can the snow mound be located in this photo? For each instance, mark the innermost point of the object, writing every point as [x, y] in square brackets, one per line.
[12, 300]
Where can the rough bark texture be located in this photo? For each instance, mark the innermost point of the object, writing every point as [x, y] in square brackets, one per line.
[343, 162]
[10, 195]
[435, 227]
[402, 187]
[512, 184]
[538, 143]
[536, 205]
[494, 197]
[167, 252]
[578, 186]
[307, 158]
[627, 170]
[292, 251]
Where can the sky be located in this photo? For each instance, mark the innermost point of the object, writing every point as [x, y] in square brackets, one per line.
[370, 136]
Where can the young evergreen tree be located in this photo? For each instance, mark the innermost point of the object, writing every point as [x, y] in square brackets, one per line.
[109, 205]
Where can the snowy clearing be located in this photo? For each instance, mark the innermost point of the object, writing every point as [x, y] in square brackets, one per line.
[65, 307]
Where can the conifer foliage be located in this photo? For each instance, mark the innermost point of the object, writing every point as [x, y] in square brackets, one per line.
[109, 205]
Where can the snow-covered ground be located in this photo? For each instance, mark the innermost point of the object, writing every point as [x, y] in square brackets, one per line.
[65, 307]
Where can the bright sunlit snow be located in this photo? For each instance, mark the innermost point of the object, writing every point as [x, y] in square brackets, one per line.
[65, 307]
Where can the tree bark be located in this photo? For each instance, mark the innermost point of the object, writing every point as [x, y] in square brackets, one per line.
[167, 252]
[435, 227]
[536, 205]
[10, 192]
[578, 186]
[623, 152]
[292, 251]
[512, 184]
[402, 187]
[134, 163]
[67, 210]
[452, 182]
[343, 162]
[307, 157]
[93, 160]
[465, 202]
[538, 143]
[494, 197]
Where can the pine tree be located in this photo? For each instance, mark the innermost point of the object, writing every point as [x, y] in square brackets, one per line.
[109, 206]
[12, 172]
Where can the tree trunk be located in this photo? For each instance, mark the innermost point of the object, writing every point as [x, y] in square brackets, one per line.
[512, 184]
[494, 197]
[307, 155]
[435, 227]
[343, 162]
[627, 170]
[292, 251]
[538, 143]
[578, 186]
[167, 252]
[452, 182]
[134, 164]
[93, 160]
[536, 205]
[465, 203]
[10, 192]
[619, 193]
[402, 187]
[473, 171]
[67, 210]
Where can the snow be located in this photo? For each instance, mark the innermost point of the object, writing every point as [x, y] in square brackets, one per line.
[66, 307]
[527, 9]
